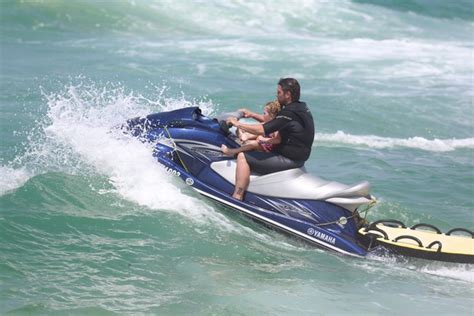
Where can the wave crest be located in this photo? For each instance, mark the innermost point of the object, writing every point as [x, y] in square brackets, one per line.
[417, 142]
[11, 178]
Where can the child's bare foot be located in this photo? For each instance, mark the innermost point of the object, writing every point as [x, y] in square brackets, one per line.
[244, 137]
[227, 151]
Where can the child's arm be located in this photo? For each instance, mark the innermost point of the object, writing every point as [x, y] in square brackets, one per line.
[250, 114]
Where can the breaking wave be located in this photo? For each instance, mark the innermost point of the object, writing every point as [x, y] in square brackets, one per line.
[372, 141]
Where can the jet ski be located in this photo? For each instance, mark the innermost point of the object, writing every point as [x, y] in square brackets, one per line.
[324, 213]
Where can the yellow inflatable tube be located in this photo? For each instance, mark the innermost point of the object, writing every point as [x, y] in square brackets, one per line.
[422, 241]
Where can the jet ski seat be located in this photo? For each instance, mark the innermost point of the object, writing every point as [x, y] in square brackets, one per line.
[298, 184]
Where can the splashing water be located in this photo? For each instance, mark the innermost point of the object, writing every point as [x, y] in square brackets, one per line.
[80, 135]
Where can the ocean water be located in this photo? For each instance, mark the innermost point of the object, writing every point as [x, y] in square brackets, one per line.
[90, 224]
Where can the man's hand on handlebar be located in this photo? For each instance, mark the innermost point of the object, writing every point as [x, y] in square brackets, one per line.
[232, 121]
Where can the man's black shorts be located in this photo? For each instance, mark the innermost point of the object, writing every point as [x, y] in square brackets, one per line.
[268, 162]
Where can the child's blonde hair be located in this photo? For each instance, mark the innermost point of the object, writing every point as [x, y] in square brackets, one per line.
[273, 107]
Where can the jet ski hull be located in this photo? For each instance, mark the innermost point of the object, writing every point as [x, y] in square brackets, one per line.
[188, 144]
[330, 238]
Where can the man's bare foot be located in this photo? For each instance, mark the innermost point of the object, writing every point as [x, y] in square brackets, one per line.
[238, 197]
[227, 151]
[238, 194]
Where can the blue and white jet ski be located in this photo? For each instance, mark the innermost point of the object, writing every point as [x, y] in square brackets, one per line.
[324, 213]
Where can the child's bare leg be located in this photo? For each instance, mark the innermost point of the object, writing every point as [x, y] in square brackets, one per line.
[244, 136]
[239, 133]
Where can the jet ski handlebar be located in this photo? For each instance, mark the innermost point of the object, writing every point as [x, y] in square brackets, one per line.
[223, 117]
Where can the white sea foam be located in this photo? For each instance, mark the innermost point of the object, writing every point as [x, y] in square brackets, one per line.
[459, 271]
[430, 63]
[403, 265]
[436, 145]
[11, 178]
[360, 49]
[343, 34]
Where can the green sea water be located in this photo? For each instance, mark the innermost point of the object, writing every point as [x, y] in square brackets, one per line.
[91, 225]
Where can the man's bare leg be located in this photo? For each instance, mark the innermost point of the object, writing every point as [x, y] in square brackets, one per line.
[242, 177]
[250, 145]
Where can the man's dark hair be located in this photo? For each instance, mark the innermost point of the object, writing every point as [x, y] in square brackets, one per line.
[292, 85]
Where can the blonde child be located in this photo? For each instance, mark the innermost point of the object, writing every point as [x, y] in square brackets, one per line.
[253, 142]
